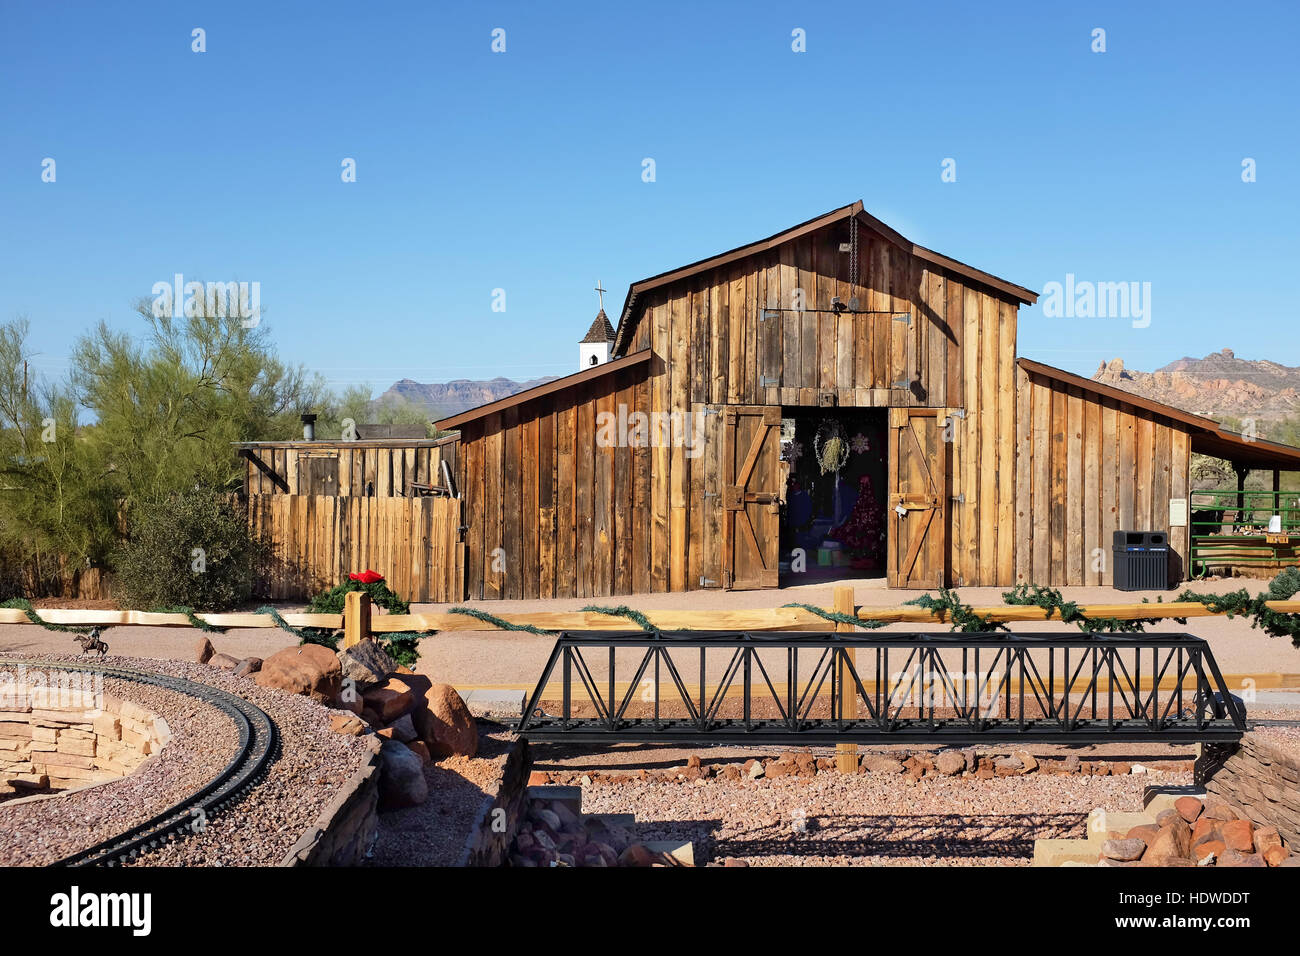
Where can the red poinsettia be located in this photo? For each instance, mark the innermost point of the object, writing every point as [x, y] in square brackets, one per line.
[366, 577]
[864, 531]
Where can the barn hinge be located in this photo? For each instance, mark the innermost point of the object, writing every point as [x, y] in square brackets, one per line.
[708, 582]
[960, 499]
[903, 317]
[902, 383]
[710, 494]
[769, 314]
[709, 410]
[956, 413]
[766, 380]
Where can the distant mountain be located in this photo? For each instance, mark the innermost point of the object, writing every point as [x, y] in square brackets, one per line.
[1217, 386]
[449, 398]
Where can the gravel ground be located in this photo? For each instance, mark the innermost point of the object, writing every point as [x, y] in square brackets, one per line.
[870, 819]
[434, 833]
[313, 763]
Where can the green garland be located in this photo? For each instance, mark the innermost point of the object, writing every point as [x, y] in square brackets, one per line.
[495, 621]
[838, 616]
[1052, 601]
[194, 619]
[960, 615]
[24, 605]
[633, 615]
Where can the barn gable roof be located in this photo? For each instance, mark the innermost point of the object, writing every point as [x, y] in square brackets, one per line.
[1208, 437]
[627, 319]
[547, 388]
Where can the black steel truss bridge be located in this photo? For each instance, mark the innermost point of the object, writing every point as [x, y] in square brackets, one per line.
[945, 689]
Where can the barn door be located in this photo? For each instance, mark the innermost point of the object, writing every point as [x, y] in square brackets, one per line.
[918, 499]
[751, 498]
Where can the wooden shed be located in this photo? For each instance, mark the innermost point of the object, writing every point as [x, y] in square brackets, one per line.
[677, 464]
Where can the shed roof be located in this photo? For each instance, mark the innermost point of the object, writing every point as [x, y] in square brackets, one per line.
[626, 319]
[1208, 437]
[555, 385]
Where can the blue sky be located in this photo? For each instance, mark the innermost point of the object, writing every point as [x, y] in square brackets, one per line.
[478, 170]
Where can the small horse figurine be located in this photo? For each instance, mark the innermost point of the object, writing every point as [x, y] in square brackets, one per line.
[91, 643]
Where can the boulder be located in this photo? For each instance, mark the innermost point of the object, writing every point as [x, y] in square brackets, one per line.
[1027, 760]
[1238, 835]
[1276, 854]
[421, 750]
[1266, 838]
[223, 662]
[1216, 808]
[879, 763]
[366, 664]
[390, 699]
[1146, 832]
[445, 723]
[401, 783]
[1233, 857]
[348, 724]
[204, 650]
[1209, 848]
[1189, 808]
[309, 669]
[403, 729]
[248, 667]
[950, 762]
[1128, 849]
[1173, 842]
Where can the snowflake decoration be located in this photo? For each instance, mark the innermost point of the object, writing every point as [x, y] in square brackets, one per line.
[859, 443]
[793, 451]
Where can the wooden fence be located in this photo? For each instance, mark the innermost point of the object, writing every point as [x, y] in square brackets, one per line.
[317, 539]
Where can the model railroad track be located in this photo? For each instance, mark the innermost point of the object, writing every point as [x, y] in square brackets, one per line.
[257, 749]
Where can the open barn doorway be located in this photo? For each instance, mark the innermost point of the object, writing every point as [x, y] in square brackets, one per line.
[834, 473]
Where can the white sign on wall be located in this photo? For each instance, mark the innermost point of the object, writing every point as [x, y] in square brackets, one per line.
[1177, 512]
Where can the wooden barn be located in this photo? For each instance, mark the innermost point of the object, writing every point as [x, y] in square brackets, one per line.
[833, 381]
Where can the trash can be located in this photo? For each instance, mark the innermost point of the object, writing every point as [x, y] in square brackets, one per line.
[1140, 560]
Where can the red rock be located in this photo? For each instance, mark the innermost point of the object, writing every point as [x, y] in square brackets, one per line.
[204, 650]
[1189, 808]
[308, 669]
[1123, 849]
[445, 723]
[421, 750]
[1202, 850]
[347, 724]
[1166, 817]
[248, 667]
[1266, 838]
[1202, 828]
[1238, 835]
[1216, 808]
[539, 778]
[731, 861]
[637, 855]
[1146, 832]
[778, 769]
[223, 662]
[1233, 857]
[693, 761]
[1174, 841]
[1274, 855]
[1121, 768]
[389, 700]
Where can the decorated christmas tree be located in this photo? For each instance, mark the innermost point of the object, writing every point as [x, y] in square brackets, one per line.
[864, 531]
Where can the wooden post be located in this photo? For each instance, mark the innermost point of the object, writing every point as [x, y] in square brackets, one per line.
[356, 618]
[846, 755]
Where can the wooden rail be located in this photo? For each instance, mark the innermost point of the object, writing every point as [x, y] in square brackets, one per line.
[755, 619]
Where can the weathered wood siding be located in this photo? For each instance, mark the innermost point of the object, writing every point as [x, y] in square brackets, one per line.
[317, 540]
[550, 511]
[368, 469]
[956, 349]
[1088, 466]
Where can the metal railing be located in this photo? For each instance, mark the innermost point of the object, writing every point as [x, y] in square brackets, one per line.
[1232, 529]
[945, 688]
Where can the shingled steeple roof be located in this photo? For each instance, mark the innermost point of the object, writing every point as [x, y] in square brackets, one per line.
[601, 330]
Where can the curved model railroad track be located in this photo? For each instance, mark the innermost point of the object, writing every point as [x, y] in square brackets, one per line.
[257, 749]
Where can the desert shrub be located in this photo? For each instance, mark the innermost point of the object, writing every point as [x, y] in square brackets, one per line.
[402, 646]
[192, 550]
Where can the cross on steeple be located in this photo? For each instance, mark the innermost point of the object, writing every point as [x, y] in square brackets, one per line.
[600, 292]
